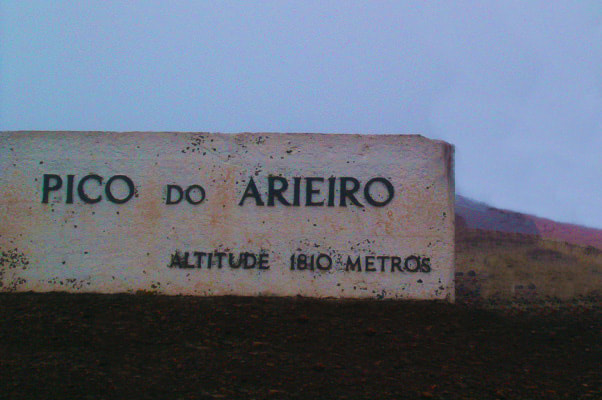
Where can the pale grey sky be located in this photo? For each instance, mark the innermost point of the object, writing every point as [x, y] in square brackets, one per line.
[515, 85]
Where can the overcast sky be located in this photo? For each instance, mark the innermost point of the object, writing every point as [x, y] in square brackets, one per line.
[516, 86]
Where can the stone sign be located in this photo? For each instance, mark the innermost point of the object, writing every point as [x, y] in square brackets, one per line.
[342, 216]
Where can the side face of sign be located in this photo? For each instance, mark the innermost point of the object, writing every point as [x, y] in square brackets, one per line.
[343, 216]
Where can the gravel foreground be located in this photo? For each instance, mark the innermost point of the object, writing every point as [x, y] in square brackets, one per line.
[89, 346]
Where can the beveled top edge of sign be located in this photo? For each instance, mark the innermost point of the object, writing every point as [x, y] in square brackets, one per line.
[338, 134]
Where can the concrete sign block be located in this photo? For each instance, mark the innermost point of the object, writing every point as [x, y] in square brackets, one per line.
[342, 216]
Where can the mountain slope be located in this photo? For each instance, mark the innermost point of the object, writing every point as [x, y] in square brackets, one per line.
[503, 255]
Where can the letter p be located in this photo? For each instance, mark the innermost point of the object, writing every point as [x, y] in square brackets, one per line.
[47, 187]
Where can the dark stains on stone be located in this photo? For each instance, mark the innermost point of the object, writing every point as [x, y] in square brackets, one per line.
[12, 259]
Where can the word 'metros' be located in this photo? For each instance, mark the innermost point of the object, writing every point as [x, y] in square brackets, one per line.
[296, 192]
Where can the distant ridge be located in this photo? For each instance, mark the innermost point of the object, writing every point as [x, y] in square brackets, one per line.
[471, 214]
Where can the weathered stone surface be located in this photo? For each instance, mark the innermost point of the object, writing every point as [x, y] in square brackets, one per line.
[85, 237]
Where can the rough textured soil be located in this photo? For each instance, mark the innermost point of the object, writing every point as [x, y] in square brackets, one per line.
[157, 347]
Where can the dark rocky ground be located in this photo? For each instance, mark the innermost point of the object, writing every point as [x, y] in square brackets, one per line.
[56, 346]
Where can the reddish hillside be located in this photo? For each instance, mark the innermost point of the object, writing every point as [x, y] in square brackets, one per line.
[475, 215]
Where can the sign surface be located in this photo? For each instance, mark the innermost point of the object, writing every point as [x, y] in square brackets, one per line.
[215, 214]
